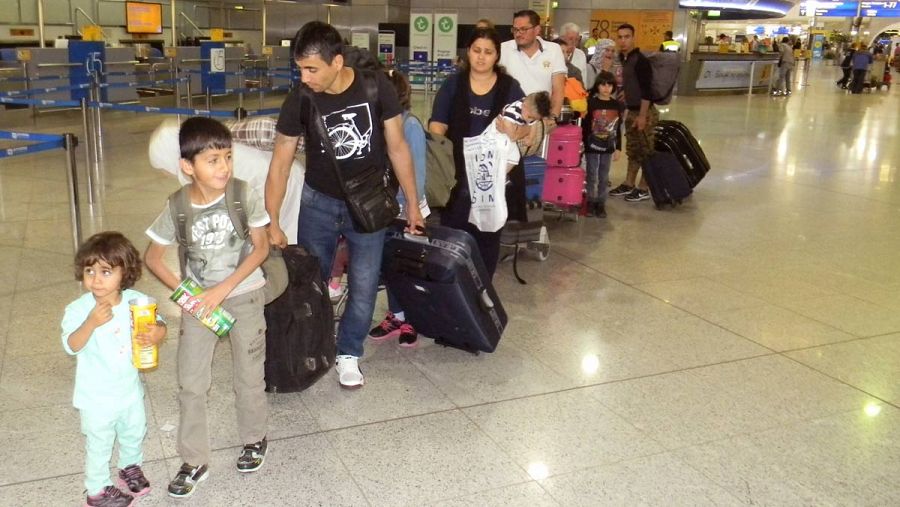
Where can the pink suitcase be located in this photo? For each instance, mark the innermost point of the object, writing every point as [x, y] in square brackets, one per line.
[564, 147]
[564, 186]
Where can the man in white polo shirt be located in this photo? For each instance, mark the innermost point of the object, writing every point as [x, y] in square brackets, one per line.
[537, 65]
[569, 32]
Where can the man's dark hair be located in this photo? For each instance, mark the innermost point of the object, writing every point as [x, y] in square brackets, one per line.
[114, 249]
[200, 133]
[317, 38]
[533, 17]
[541, 103]
[626, 26]
[669, 34]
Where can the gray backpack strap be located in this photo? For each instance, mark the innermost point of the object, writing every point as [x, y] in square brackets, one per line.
[182, 218]
[235, 197]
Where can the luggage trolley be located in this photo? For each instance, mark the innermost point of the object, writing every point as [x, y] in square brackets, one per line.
[530, 236]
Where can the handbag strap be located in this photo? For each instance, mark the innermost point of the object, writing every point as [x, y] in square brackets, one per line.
[319, 124]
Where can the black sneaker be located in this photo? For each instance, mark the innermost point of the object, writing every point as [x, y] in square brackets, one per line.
[622, 189]
[131, 478]
[110, 496]
[182, 485]
[637, 195]
[252, 456]
[388, 328]
[600, 212]
[409, 338]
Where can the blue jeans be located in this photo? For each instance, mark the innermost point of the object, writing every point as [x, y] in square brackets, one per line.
[597, 176]
[323, 219]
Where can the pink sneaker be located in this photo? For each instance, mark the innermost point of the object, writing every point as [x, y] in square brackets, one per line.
[131, 479]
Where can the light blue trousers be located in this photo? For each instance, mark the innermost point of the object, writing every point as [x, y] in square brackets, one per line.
[101, 427]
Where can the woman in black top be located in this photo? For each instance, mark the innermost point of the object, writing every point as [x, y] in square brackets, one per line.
[464, 106]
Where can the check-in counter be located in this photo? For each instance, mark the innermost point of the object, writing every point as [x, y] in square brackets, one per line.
[727, 73]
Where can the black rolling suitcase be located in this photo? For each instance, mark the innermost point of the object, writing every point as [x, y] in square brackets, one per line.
[441, 283]
[300, 344]
[686, 147]
[665, 176]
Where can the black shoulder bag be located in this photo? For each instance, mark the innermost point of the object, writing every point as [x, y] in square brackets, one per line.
[371, 195]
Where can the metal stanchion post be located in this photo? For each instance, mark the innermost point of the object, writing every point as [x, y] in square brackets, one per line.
[261, 93]
[177, 87]
[752, 68]
[91, 184]
[190, 95]
[72, 180]
[27, 77]
[240, 100]
[208, 100]
[98, 140]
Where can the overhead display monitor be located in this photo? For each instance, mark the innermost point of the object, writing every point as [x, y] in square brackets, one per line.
[848, 9]
[740, 9]
[143, 17]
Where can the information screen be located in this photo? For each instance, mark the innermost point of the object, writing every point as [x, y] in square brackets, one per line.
[848, 9]
[143, 17]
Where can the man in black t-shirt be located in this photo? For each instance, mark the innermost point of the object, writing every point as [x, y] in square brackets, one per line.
[363, 133]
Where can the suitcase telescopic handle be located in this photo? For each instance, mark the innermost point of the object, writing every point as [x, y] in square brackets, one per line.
[419, 238]
[487, 304]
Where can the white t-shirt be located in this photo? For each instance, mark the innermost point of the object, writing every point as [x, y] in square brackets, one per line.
[579, 60]
[534, 73]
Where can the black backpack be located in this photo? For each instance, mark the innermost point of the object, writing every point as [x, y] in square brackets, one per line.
[300, 340]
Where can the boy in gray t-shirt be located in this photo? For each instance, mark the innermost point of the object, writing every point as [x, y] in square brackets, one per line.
[214, 261]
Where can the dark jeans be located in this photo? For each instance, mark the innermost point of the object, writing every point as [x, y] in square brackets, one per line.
[859, 77]
[323, 219]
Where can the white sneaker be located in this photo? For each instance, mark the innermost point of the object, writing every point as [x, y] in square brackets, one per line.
[335, 292]
[349, 375]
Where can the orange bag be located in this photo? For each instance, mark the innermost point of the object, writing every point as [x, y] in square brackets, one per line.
[576, 94]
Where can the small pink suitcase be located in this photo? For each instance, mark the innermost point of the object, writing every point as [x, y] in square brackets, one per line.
[564, 147]
[563, 186]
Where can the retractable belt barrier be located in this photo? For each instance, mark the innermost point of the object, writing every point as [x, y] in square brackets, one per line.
[47, 142]
[29, 79]
[39, 102]
[160, 110]
[136, 84]
[37, 91]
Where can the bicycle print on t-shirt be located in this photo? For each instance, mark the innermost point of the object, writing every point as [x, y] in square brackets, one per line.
[350, 131]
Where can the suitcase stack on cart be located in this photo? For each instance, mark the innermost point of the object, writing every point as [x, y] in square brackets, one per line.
[564, 180]
[678, 165]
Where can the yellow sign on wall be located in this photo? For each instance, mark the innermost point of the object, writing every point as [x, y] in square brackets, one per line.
[650, 26]
[216, 34]
[91, 32]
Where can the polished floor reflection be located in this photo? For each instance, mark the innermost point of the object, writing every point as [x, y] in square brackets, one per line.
[741, 349]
